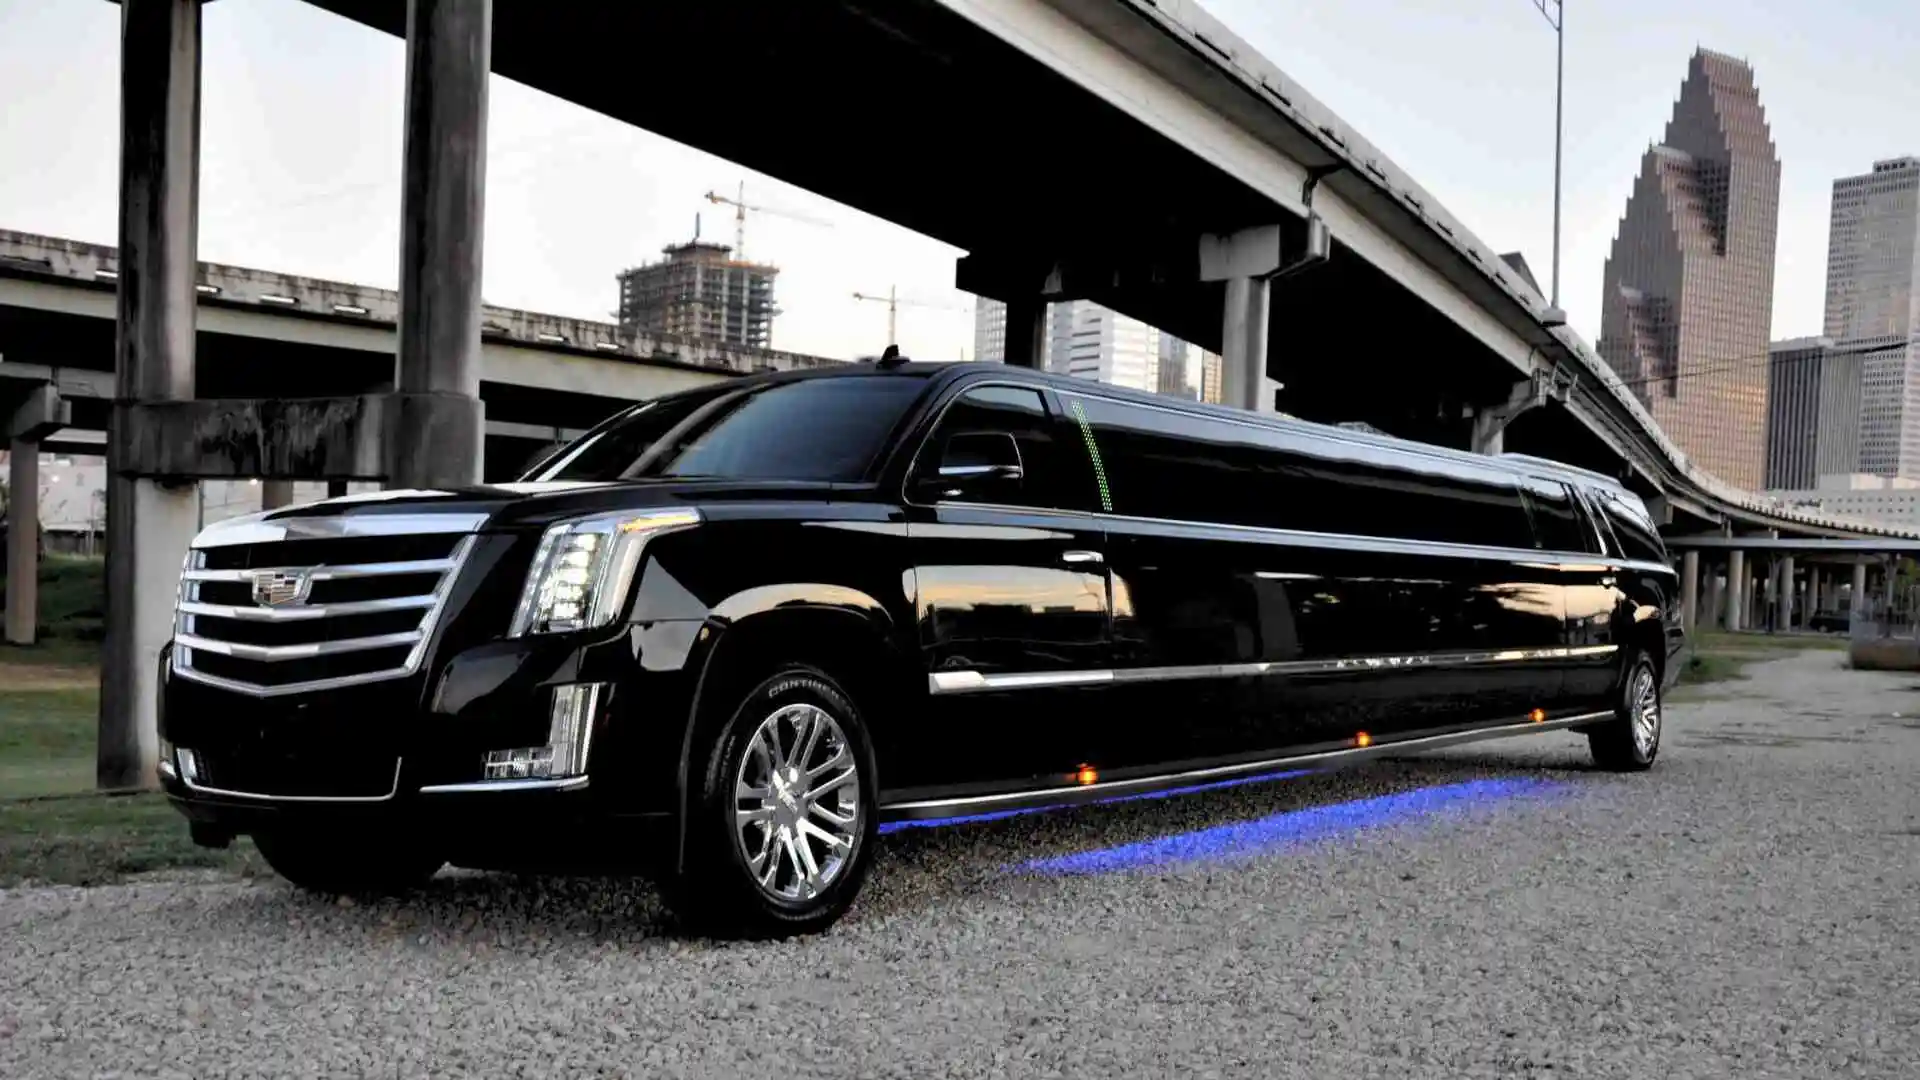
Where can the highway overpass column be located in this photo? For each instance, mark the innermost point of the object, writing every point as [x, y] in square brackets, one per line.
[1710, 611]
[336, 488]
[42, 414]
[1784, 621]
[275, 494]
[1736, 587]
[1246, 261]
[1026, 343]
[1857, 601]
[434, 433]
[149, 523]
[1689, 587]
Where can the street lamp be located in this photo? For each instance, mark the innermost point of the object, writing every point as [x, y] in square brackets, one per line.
[1557, 18]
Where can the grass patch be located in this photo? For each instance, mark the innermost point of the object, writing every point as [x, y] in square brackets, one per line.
[1720, 641]
[73, 614]
[47, 739]
[100, 839]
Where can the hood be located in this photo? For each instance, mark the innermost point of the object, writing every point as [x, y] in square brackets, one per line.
[488, 507]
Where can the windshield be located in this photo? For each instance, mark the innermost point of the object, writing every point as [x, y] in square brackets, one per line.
[808, 429]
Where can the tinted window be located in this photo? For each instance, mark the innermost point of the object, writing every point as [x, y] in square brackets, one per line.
[1557, 523]
[1054, 475]
[808, 429]
[1164, 464]
[1635, 533]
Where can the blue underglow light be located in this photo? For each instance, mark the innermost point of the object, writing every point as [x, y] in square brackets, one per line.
[1288, 829]
[996, 815]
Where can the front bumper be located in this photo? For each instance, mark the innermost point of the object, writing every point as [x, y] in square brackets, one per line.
[407, 753]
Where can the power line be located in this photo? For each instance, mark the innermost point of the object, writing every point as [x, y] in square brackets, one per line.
[1732, 363]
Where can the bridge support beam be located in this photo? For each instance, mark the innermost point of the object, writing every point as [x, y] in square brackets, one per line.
[438, 441]
[149, 522]
[1246, 261]
[42, 414]
[1736, 588]
[1027, 332]
[1689, 587]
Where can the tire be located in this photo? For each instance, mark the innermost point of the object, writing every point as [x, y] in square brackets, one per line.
[1631, 740]
[787, 859]
[347, 864]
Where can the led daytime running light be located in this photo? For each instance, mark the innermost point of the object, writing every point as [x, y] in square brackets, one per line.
[583, 570]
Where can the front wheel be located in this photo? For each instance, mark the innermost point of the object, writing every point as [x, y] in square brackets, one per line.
[352, 864]
[1631, 740]
[781, 834]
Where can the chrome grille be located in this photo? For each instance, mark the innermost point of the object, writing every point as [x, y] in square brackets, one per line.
[287, 611]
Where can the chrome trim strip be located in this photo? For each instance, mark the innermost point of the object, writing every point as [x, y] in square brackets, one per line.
[328, 573]
[232, 794]
[971, 682]
[303, 612]
[265, 529]
[275, 653]
[1067, 795]
[566, 783]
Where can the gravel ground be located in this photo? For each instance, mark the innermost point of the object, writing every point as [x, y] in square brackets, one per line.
[1747, 908]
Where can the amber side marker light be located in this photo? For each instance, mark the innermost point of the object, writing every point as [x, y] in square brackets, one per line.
[1086, 775]
[1363, 740]
[1538, 716]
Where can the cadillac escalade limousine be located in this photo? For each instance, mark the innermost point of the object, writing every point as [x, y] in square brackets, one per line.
[723, 636]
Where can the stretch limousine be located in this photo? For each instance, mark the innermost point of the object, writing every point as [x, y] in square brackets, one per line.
[721, 637]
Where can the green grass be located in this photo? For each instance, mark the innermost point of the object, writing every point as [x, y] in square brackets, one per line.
[47, 738]
[73, 597]
[100, 839]
[1741, 641]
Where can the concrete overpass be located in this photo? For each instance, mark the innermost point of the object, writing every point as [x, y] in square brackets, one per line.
[1250, 220]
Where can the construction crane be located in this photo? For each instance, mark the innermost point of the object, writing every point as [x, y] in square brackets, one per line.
[740, 208]
[893, 302]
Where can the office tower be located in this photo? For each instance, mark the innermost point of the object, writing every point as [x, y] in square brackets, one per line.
[990, 331]
[1687, 302]
[1871, 300]
[1813, 412]
[700, 291]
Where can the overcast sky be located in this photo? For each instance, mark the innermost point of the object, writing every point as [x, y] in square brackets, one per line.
[301, 147]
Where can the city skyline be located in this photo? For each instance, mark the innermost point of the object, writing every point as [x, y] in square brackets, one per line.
[296, 147]
[1871, 297]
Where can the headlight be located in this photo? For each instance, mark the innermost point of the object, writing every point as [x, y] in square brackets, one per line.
[584, 568]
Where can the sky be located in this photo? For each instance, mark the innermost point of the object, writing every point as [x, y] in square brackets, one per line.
[301, 144]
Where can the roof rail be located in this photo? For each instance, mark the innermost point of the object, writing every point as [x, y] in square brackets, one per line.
[1561, 466]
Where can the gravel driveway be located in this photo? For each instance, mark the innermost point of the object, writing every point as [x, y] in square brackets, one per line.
[1749, 908]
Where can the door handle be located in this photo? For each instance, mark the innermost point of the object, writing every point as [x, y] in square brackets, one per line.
[1081, 557]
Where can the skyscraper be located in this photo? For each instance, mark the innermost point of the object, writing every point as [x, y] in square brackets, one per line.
[1813, 413]
[1687, 302]
[1094, 342]
[1871, 307]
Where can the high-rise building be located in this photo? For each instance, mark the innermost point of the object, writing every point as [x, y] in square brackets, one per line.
[1087, 340]
[1687, 302]
[1871, 307]
[1813, 412]
[700, 291]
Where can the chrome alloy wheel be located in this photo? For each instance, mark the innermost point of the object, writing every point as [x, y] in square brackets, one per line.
[797, 811]
[1645, 706]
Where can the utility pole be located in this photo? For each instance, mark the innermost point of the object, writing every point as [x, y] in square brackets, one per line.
[1557, 19]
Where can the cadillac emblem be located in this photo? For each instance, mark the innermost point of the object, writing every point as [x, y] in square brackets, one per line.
[276, 587]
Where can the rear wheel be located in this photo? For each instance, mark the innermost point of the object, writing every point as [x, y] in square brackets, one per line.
[1631, 740]
[347, 863]
[781, 834]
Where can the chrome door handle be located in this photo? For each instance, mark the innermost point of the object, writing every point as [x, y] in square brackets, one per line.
[1081, 557]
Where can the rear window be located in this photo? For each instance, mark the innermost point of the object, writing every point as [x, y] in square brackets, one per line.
[809, 429]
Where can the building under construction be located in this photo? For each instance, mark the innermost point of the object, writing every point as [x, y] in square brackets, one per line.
[700, 291]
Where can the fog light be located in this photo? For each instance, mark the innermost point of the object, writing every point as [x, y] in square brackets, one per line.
[569, 738]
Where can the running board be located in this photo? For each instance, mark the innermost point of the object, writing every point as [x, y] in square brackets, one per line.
[1072, 794]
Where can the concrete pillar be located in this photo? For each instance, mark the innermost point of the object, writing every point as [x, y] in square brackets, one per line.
[1858, 600]
[149, 524]
[336, 488]
[23, 541]
[1027, 333]
[1736, 588]
[1243, 359]
[1689, 587]
[436, 435]
[275, 494]
[1715, 608]
[1784, 595]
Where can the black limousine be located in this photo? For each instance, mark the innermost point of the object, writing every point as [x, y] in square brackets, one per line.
[722, 636]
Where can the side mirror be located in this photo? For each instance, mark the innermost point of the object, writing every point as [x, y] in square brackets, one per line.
[973, 460]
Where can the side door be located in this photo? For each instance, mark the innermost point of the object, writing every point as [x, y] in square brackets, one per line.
[1649, 611]
[1011, 595]
[1594, 608]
